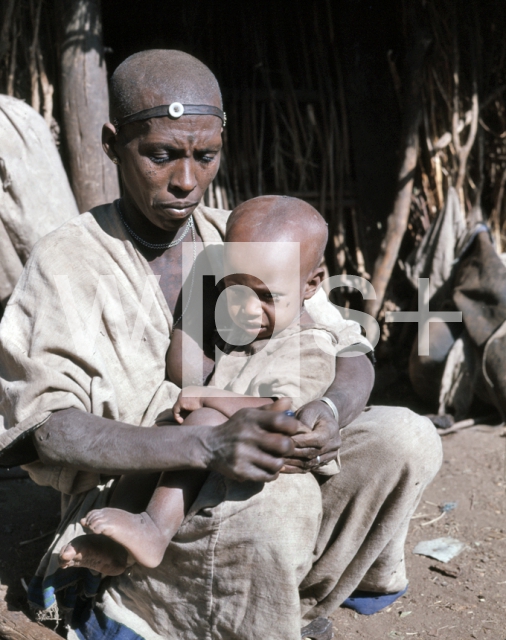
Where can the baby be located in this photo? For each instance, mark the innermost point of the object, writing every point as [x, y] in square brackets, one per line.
[277, 357]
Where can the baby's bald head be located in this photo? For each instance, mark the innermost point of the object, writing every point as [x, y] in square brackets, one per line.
[281, 219]
[161, 76]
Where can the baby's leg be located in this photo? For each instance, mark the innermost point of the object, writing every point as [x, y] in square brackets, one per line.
[146, 535]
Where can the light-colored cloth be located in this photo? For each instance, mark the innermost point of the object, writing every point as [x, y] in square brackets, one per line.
[235, 567]
[88, 327]
[259, 561]
[35, 197]
[54, 356]
[434, 257]
[460, 377]
[290, 365]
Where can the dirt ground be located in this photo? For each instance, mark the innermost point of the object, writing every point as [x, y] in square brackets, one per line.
[465, 598]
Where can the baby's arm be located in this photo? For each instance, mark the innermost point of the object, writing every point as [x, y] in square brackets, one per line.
[226, 402]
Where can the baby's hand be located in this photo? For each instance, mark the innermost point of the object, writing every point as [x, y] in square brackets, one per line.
[191, 401]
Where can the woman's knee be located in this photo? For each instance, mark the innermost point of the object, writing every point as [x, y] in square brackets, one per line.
[416, 440]
[398, 437]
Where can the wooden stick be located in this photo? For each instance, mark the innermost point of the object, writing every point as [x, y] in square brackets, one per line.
[398, 220]
[34, 76]
[397, 223]
[47, 89]
[462, 150]
[4, 34]
[14, 51]
[85, 103]
[464, 424]
[44, 535]
[495, 217]
[424, 524]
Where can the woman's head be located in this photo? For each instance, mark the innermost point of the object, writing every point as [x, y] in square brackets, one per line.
[166, 164]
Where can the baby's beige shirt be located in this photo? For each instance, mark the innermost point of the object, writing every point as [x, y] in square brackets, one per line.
[290, 365]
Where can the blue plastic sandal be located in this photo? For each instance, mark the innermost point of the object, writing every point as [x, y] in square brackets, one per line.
[369, 602]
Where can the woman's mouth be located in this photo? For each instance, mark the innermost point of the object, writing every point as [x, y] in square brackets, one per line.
[180, 209]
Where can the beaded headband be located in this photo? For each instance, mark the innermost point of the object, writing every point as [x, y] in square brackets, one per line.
[174, 111]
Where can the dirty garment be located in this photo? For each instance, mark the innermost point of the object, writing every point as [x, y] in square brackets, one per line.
[35, 197]
[259, 561]
[245, 551]
[466, 274]
[291, 365]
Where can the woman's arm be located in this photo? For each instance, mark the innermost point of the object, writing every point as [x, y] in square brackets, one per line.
[249, 446]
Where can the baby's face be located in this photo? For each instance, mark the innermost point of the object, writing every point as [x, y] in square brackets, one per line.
[265, 291]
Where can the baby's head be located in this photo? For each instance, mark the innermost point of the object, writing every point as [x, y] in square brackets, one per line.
[282, 268]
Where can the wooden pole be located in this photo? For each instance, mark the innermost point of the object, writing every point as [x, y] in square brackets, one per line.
[398, 220]
[85, 103]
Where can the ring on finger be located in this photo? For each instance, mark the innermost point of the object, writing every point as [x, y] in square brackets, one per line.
[318, 460]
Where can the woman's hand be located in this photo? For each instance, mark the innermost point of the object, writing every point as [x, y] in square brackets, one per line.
[319, 445]
[350, 391]
[253, 444]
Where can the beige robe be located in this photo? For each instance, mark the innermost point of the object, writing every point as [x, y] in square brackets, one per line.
[290, 365]
[245, 550]
[35, 197]
[54, 356]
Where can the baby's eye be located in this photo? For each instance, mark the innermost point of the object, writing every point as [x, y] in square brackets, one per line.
[271, 296]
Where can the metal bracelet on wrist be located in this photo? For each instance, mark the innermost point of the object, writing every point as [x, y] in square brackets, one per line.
[335, 412]
[332, 406]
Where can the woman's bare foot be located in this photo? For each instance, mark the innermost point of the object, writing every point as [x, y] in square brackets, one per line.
[135, 531]
[95, 552]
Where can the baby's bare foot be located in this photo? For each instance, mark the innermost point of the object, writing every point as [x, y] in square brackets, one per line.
[135, 531]
[95, 552]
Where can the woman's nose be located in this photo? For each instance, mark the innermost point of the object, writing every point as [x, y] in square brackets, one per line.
[183, 176]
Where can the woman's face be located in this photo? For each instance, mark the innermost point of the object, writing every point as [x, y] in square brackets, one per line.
[166, 165]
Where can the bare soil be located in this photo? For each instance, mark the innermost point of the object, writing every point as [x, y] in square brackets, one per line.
[465, 598]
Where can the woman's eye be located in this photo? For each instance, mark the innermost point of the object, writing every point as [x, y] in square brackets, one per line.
[159, 159]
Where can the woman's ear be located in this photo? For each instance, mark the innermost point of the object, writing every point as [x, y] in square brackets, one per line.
[109, 141]
[314, 282]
